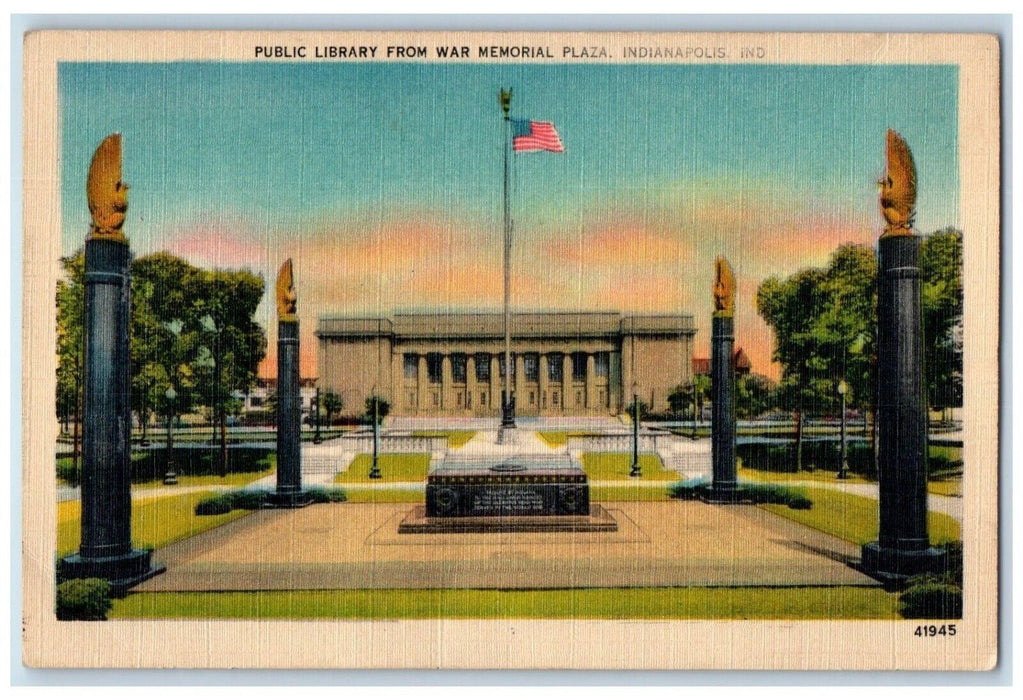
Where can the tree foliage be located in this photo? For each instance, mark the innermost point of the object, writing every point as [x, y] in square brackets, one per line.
[192, 330]
[825, 326]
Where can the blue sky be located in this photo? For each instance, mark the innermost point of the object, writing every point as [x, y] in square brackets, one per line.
[344, 164]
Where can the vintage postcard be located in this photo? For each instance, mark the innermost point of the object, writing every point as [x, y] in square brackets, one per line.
[511, 350]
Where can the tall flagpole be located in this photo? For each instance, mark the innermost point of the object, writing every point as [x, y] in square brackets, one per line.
[507, 398]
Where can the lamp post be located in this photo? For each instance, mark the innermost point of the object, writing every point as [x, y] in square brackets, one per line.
[316, 417]
[374, 471]
[170, 477]
[843, 468]
[635, 471]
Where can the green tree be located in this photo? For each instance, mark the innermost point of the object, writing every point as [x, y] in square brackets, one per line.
[70, 299]
[793, 308]
[383, 409]
[234, 343]
[332, 403]
[941, 296]
[753, 395]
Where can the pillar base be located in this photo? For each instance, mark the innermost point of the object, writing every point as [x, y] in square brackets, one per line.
[726, 494]
[121, 572]
[893, 566]
[287, 499]
[508, 436]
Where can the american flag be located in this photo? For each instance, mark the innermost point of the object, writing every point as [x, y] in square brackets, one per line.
[535, 136]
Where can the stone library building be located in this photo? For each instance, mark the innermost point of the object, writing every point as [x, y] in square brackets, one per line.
[452, 364]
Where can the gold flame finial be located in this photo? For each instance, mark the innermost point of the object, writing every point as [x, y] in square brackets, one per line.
[287, 300]
[724, 288]
[107, 195]
[898, 188]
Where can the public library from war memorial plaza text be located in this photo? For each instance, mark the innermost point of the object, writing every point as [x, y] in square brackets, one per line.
[451, 364]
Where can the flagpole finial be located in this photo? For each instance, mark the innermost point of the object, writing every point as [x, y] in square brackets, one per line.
[506, 96]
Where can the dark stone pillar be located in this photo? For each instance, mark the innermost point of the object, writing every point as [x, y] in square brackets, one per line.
[289, 420]
[903, 546]
[106, 551]
[723, 485]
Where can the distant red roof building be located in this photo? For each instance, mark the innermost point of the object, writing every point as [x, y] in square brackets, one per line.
[740, 361]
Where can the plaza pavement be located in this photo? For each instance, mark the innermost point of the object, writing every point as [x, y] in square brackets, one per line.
[357, 546]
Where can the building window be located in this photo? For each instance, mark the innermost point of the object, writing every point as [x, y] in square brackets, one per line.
[458, 368]
[483, 399]
[601, 363]
[532, 398]
[578, 366]
[257, 401]
[500, 364]
[602, 399]
[578, 398]
[482, 367]
[458, 399]
[555, 397]
[411, 365]
[434, 363]
[531, 366]
[436, 399]
[555, 368]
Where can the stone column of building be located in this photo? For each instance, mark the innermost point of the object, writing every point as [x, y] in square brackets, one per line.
[470, 382]
[447, 392]
[591, 381]
[399, 398]
[543, 400]
[519, 381]
[567, 393]
[494, 395]
[422, 384]
[105, 549]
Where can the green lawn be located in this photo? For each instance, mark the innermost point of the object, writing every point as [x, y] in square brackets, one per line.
[600, 603]
[364, 495]
[815, 475]
[605, 494]
[952, 487]
[393, 467]
[155, 522]
[854, 518]
[559, 438]
[456, 438]
[234, 479]
[615, 466]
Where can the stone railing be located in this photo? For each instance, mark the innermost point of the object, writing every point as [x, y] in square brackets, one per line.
[619, 442]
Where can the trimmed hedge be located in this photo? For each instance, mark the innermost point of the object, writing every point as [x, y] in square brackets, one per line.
[932, 599]
[320, 494]
[151, 465]
[253, 499]
[757, 493]
[83, 599]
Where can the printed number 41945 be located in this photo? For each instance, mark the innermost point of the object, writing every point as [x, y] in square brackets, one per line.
[935, 631]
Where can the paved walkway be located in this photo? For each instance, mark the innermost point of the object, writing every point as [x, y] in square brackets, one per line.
[338, 546]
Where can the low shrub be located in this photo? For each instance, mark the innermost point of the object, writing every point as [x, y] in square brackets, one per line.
[693, 489]
[247, 499]
[83, 599]
[319, 494]
[931, 598]
[214, 505]
[67, 472]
